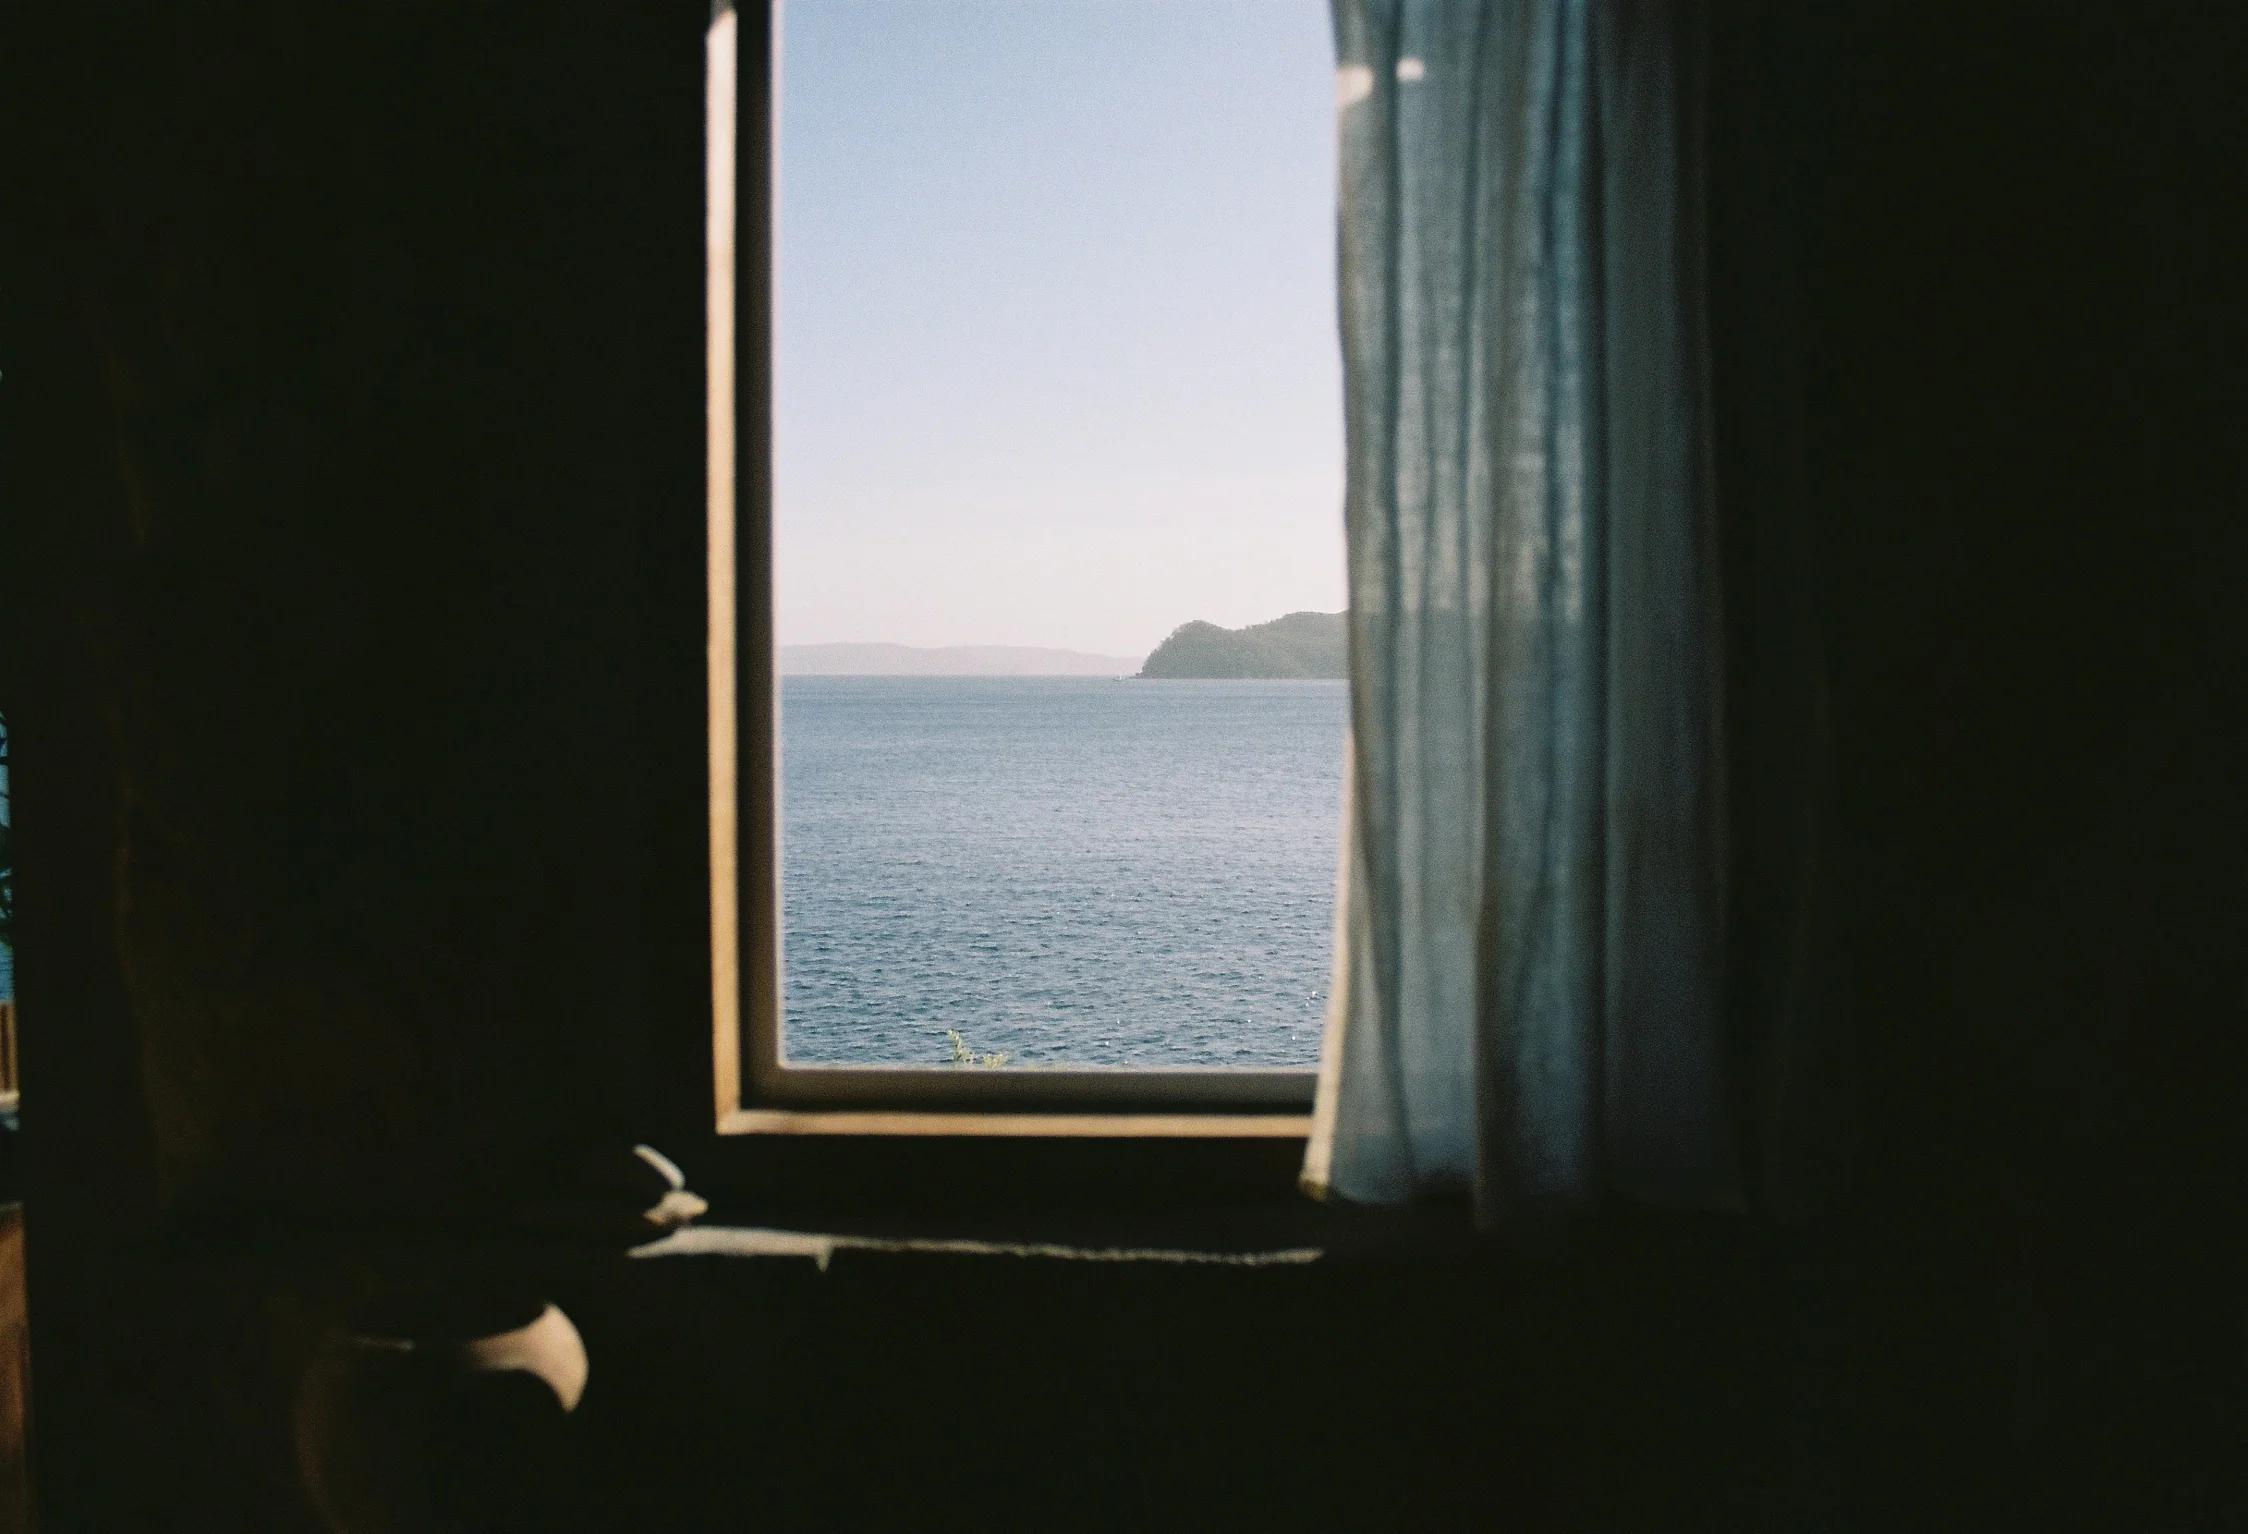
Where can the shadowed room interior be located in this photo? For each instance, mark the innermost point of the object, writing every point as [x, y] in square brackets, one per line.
[352, 546]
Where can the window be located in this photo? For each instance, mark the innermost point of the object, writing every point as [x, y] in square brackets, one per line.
[1026, 668]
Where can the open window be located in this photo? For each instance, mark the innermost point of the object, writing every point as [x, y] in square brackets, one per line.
[1021, 359]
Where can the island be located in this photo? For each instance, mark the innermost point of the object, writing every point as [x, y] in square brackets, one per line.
[1307, 645]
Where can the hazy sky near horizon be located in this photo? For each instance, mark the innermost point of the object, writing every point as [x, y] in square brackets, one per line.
[1056, 360]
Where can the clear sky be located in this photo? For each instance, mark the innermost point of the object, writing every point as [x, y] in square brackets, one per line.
[1056, 358]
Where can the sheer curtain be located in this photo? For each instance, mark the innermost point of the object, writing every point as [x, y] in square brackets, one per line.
[1529, 975]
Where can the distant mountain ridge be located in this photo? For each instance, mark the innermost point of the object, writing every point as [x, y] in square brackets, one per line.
[945, 660]
[1310, 645]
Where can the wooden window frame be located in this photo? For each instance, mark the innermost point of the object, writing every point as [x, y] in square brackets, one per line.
[754, 1090]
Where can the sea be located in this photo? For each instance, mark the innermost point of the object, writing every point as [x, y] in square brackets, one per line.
[1090, 873]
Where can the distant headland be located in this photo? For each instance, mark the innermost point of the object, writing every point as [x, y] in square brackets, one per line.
[1310, 645]
[945, 660]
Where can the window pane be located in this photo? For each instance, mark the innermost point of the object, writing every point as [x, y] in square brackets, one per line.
[1055, 374]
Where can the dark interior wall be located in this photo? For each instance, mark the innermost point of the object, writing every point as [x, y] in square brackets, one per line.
[351, 401]
[2022, 330]
[372, 559]
[354, 597]
[2021, 324]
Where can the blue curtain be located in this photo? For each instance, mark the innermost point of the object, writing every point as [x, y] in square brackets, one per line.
[1529, 991]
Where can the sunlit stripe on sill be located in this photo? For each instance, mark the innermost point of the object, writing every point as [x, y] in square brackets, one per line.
[741, 1241]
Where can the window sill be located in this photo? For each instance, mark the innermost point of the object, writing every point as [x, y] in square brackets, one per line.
[752, 1242]
[1296, 1233]
[1111, 1126]
[901, 1168]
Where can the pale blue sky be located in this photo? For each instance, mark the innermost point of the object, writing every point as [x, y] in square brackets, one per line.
[1056, 358]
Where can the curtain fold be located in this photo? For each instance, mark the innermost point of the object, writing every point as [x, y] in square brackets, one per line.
[1529, 1001]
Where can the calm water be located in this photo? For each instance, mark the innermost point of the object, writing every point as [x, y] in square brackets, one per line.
[1080, 872]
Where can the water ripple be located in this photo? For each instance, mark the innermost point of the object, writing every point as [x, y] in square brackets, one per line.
[1092, 873]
